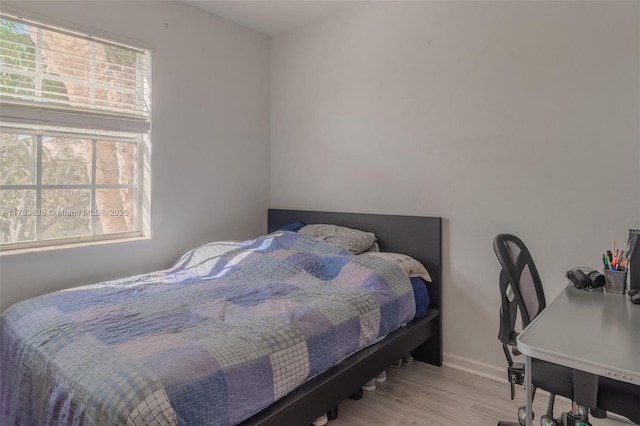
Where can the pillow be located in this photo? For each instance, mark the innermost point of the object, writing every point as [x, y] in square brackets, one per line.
[375, 248]
[351, 240]
[412, 267]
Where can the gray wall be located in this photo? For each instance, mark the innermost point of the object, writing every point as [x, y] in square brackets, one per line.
[516, 117]
[498, 116]
[210, 136]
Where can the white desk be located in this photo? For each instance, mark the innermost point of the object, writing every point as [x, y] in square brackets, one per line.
[595, 332]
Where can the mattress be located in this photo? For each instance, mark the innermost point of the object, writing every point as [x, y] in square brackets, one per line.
[421, 296]
[228, 330]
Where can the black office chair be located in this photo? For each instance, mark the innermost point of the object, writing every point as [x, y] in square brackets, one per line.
[522, 293]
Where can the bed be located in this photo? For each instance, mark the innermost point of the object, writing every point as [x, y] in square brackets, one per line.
[121, 352]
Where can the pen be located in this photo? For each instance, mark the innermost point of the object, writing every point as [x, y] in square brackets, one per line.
[615, 259]
[623, 265]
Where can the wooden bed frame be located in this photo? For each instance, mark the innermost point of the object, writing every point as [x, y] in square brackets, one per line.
[418, 237]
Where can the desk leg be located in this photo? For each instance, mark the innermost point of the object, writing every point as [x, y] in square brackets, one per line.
[528, 388]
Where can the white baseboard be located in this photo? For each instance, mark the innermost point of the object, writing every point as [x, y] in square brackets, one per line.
[475, 367]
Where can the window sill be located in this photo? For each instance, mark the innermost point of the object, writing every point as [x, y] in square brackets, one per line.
[71, 246]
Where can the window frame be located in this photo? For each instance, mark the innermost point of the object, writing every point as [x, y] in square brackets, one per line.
[30, 118]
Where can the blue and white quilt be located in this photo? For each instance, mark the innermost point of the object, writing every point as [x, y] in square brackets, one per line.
[228, 330]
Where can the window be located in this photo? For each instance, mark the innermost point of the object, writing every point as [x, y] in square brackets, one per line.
[74, 136]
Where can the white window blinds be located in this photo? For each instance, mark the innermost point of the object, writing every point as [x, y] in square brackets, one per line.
[72, 80]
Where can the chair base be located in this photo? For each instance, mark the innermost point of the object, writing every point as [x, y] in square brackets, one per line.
[508, 424]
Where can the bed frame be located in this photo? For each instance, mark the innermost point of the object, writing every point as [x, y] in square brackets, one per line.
[418, 237]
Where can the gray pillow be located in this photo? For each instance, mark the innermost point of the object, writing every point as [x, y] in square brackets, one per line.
[349, 239]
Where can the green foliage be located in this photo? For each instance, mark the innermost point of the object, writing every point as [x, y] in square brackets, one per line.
[17, 157]
[119, 56]
[66, 161]
[18, 54]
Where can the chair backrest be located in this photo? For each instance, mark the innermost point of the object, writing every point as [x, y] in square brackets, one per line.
[520, 286]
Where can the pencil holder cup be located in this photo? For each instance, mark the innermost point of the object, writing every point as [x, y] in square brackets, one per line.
[615, 281]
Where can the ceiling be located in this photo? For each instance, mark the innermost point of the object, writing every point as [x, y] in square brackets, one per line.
[271, 17]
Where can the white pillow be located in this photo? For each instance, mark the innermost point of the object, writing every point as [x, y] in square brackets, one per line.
[375, 248]
[412, 267]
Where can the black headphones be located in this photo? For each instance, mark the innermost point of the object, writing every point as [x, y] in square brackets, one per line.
[585, 278]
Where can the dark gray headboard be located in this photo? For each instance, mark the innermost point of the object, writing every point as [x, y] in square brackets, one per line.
[417, 236]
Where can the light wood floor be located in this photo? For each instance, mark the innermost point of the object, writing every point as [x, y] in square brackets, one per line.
[421, 394]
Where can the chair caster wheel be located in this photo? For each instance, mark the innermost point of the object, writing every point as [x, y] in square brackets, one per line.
[569, 419]
[522, 416]
[548, 421]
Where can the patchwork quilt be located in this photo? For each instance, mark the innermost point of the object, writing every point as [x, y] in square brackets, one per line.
[225, 332]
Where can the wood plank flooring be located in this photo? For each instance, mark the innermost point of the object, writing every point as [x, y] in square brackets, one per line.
[424, 395]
